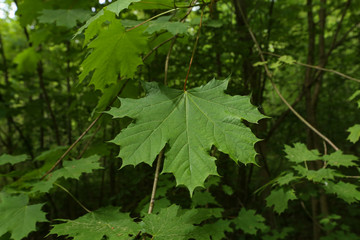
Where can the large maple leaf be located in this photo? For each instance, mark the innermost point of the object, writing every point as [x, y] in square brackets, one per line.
[190, 122]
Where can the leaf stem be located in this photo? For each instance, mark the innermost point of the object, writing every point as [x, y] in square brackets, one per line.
[156, 178]
[148, 20]
[73, 197]
[194, 49]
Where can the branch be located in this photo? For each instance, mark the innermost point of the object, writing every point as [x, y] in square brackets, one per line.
[318, 68]
[277, 90]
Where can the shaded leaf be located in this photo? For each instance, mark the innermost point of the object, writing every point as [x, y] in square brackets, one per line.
[17, 217]
[107, 222]
[249, 221]
[338, 159]
[279, 198]
[163, 23]
[299, 153]
[346, 191]
[354, 133]
[64, 17]
[27, 60]
[6, 158]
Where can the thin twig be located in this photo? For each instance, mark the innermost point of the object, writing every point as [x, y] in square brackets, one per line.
[194, 49]
[168, 59]
[73, 197]
[319, 68]
[277, 90]
[87, 144]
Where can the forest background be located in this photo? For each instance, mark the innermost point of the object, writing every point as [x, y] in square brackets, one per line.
[170, 119]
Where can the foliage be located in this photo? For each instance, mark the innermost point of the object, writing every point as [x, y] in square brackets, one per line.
[101, 113]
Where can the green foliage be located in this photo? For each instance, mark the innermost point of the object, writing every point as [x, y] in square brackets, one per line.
[279, 198]
[115, 51]
[64, 17]
[6, 158]
[163, 23]
[249, 221]
[190, 124]
[95, 225]
[204, 136]
[17, 217]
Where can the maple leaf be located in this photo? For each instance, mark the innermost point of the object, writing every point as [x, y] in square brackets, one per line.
[299, 153]
[346, 191]
[168, 224]
[191, 122]
[71, 169]
[6, 158]
[249, 221]
[115, 51]
[18, 217]
[64, 17]
[95, 225]
[279, 199]
[338, 159]
[162, 23]
[354, 133]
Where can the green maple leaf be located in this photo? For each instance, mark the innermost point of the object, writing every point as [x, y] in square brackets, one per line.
[346, 191]
[249, 221]
[214, 230]
[190, 122]
[354, 133]
[317, 175]
[6, 158]
[115, 51]
[279, 198]
[64, 17]
[107, 222]
[168, 224]
[299, 153]
[338, 159]
[71, 169]
[17, 217]
[162, 23]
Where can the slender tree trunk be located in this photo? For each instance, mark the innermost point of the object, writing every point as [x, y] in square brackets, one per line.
[9, 143]
[68, 88]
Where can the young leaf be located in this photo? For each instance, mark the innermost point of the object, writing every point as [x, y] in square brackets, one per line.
[64, 17]
[6, 158]
[74, 169]
[71, 169]
[338, 159]
[346, 191]
[279, 199]
[162, 23]
[316, 175]
[354, 133]
[115, 51]
[190, 122]
[249, 221]
[17, 217]
[212, 231]
[299, 153]
[107, 222]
